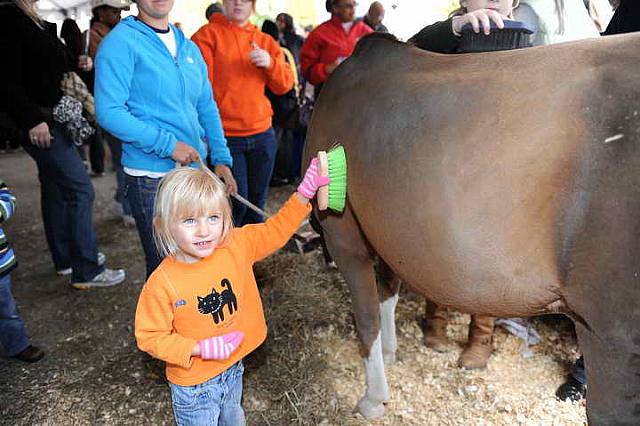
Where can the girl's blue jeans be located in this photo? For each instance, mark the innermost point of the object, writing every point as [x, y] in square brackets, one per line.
[214, 402]
[12, 335]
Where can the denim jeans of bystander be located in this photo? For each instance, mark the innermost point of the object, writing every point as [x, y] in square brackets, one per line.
[67, 197]
[115, 145]
[253, 160]
[140, 192]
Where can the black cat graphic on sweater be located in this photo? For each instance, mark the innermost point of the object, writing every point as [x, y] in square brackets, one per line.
[215, 302]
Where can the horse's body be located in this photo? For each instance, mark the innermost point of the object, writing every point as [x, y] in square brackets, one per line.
[505, 184]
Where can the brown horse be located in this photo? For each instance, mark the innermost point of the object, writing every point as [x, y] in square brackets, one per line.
[504, 184]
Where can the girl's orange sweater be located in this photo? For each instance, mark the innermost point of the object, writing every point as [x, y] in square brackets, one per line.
[238, 85]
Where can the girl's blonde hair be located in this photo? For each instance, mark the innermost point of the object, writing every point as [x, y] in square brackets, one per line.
[462, 10]
[187, 192]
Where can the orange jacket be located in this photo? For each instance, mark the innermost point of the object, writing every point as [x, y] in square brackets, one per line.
[238, 85]
[182, 303]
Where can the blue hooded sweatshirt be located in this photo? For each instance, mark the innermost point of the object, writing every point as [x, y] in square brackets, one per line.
[150, 100]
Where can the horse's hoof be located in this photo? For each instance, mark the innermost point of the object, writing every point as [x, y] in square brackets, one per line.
[389, 357]
[369, 409]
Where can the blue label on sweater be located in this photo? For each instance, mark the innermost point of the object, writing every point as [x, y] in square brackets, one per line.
[181, 302]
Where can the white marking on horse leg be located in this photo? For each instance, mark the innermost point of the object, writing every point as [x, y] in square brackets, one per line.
[388, 329]
[371, 404]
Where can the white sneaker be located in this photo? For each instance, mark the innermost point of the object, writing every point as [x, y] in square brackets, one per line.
[128, 221]
[106, 278]
[116, 208]
[63, 272]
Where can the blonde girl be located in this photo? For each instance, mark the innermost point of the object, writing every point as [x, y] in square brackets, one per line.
[200, 310]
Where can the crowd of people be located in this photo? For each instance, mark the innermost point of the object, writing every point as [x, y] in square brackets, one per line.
[189, 123]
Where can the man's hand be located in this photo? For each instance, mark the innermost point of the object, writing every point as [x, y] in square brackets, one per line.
[185, 154]
[330, 68]
[476, 19]
[224, 173]
[260, 58]
[85, 63]
[40, 135]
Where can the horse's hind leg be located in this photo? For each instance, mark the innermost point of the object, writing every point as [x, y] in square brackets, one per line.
[388, 289]
[357, 264]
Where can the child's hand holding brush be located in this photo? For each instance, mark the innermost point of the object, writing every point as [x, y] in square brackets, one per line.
[311, 182]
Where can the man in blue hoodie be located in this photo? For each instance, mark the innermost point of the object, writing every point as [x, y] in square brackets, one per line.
[153, 93]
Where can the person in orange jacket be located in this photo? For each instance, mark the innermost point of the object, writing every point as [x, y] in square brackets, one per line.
[242, 62]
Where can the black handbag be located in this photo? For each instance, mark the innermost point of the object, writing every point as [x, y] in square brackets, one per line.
[305, 110]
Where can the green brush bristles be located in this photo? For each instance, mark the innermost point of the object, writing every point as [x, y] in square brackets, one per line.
[337, 160]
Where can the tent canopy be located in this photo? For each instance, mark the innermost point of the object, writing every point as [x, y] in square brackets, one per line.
[62, 4]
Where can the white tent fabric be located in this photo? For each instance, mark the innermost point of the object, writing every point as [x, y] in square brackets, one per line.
[61, 5]
[57, 10]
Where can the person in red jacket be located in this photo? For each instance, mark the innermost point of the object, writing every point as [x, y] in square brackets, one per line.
[331, 42]
[242, 62]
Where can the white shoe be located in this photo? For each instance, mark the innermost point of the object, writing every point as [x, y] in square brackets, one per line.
[63, 272]
[116, 208]
[128, 221]
[106, 278]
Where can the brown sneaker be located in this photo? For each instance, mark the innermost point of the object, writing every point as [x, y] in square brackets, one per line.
[480, 344]
[435, 327]
[31, 354]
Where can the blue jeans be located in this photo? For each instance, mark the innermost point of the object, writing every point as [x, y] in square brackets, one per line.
[214, 402]
[140, 192]
[12, 335]
[67, 206]
[253, 160]
[115, 145]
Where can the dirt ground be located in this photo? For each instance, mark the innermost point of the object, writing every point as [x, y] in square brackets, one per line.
[307, 373]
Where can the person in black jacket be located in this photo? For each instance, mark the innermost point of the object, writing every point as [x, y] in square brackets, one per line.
[444, 36]
[287, 36]
[31, 74]
[626, 19]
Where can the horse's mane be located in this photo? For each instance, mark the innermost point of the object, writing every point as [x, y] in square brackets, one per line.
[366, 41]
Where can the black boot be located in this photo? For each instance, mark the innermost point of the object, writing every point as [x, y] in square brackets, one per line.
[571, 390]
[31, 354]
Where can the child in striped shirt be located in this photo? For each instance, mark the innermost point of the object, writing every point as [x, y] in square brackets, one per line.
[13, 338]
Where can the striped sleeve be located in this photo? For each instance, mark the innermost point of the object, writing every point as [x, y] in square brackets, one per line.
[7, 202]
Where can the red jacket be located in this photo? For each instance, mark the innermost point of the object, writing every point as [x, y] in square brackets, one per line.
[325, 44]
